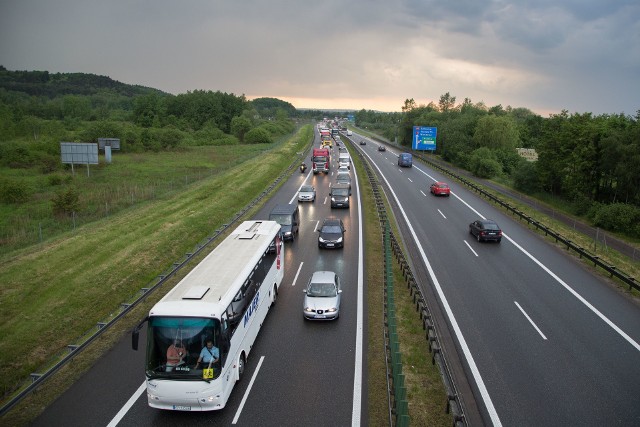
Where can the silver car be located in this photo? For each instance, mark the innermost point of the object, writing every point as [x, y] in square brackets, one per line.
[322, 296]
[307, 193]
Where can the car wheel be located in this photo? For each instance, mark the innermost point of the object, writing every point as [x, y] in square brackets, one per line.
[241, 363]
[479, 239]
[499, 240]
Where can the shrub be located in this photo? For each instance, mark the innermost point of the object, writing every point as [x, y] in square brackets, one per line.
[12, 191]
[619, 217]
[258, 136]
[66, 201]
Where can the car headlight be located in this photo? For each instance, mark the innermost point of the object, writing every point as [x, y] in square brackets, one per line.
[332, 310]
[339, 240]
[320, 239]
[288, 233]
[333, 199]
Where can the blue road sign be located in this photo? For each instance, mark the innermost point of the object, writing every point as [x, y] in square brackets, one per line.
[424, 138]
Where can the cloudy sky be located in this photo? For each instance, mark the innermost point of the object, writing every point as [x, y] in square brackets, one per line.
[578, 55]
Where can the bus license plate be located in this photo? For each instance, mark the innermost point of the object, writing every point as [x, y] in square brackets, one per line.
[181, 408]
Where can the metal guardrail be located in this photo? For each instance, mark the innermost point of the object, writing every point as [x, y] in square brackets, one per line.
[454, 405]
[74, 349]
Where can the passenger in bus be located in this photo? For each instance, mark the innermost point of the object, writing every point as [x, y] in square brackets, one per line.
[175, 355]
[209, 355]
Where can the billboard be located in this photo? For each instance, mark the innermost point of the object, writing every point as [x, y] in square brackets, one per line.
[424, 138]
[79, 153]
[114, 143]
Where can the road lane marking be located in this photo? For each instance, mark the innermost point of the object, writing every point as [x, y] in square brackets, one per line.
[246, 393]
[297, 273]
[530, 321]
[123, 411]
[423, 193]
[442, 214]
[469, 246]
[357, 377]
[409, 179]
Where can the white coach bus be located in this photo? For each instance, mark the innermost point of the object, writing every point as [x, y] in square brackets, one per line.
[224, 299]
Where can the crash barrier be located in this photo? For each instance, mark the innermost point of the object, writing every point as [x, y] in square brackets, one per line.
[59, 360]
[397, 390]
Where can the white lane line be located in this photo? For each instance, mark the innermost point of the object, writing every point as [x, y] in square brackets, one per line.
[493, 413]
[316, 227]
[442, 214]
[470, 248]
[297, 273]
[423, 193]
[357, 377]
[409, 179]
[325, 200]
[123, 411]
[246, 393]
[530, 321]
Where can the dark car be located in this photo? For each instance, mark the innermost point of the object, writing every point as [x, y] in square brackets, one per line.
[331, 234]
[440, 189]
[363, 142]
[382, 148]
[485, 229]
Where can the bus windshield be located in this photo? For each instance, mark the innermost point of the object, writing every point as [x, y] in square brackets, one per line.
[174, 345]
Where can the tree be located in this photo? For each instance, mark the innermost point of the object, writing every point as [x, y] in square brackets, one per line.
[496, 133]
[240, 125]
[258, 136]
[447, 103]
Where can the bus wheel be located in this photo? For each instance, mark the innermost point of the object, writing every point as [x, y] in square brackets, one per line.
[241, 364]
[275, 296]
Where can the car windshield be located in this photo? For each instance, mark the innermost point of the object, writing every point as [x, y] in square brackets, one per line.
[340, 192]
[333, 229]
[322, 290]
[306, 189]
[281, 219]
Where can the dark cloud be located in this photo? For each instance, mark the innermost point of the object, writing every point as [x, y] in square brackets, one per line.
[543, 55]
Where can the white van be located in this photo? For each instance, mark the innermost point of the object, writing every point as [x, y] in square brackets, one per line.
[344, 160]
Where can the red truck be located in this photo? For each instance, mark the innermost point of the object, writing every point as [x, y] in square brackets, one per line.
[320, 160]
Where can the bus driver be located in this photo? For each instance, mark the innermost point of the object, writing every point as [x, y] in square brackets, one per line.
[209, 354]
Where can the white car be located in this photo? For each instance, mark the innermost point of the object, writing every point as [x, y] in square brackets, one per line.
[307, 193]
[322, 296]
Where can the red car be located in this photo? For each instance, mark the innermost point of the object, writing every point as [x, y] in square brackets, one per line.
[440, 189]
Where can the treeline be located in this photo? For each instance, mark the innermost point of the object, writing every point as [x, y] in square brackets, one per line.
[39, 109]
[592, 163]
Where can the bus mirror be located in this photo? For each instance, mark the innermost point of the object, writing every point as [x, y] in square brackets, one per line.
[135, 334]
[134, 339]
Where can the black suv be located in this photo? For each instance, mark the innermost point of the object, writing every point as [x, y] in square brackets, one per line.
[331, 234]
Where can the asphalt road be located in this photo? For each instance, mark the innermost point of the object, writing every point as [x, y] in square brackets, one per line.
[299, 372]
[543, 341]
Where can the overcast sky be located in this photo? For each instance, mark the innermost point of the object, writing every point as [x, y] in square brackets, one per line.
[578, 55]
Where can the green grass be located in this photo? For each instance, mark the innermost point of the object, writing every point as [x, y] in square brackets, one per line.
[129, 180]
[52, 293]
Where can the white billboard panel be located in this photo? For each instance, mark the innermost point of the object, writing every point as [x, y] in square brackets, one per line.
[79, 153]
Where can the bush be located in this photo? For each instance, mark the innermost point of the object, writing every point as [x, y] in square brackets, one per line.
[12, 191]
[526, 178]
[619, 217]
[258, 136]
[483, 163]
[66, 201]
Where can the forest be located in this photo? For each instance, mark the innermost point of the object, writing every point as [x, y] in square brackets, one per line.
[588, 164]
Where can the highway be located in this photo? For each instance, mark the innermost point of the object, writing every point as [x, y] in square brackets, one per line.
[299, 372]
[542, 340]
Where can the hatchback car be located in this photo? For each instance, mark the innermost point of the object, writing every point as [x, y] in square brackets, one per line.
[440, 189]
[485, 229]
[344, 178]
[382, 148]
[363, 142]
[307, 193]
[331, 234]
[322, 296]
